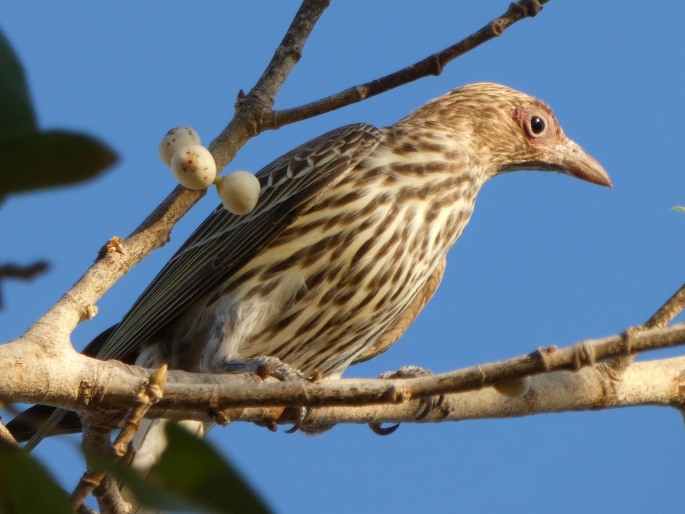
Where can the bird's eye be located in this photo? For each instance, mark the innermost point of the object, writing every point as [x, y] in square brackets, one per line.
[537, 125]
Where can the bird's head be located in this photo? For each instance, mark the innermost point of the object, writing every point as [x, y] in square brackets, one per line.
[509, 130]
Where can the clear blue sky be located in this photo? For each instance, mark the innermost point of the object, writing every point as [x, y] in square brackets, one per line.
[545, 260]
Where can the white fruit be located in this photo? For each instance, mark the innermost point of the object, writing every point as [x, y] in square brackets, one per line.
[194, 167]
[239, 191]
[174, 140]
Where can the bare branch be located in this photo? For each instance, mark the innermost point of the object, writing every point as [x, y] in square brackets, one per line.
[251, 108]
[431, 65]
[662, 317]
[96, 439]
[644, 383]
[193, 396]
[152, 393]
[89, 385]
[96, 442]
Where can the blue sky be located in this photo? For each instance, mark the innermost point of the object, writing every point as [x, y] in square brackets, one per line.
[545, 259]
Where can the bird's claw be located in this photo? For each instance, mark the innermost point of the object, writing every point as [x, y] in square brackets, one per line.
[426, 405]
[301, 414]
[378, 429]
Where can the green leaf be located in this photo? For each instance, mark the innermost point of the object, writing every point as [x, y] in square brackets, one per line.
[37, 160]
[678, 208]
[16, 113]
[25, 485]
[190, 476]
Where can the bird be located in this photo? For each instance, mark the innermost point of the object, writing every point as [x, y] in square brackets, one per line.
[346, 245]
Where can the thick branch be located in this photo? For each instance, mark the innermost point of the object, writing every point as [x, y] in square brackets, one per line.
[644, 383]
[82, 383]
[357, 392]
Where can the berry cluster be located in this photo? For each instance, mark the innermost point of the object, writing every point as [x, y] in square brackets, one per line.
[193, 167]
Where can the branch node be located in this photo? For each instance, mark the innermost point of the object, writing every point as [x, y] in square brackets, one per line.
[87, 312]
[85, 392]
[114, 245]
[436, 66]
[627, 339]
[530, 8]
[584, 353]
[498, 26]
[543, 354]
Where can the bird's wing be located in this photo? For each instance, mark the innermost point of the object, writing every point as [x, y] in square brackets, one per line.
[225, 242]
[401, 324]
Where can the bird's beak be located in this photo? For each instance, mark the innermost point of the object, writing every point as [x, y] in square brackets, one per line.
[573, 160]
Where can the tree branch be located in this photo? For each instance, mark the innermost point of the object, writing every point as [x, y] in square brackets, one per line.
[86, 384]
[644, 383]
[431, 65]
[251, 108]
[668, 311]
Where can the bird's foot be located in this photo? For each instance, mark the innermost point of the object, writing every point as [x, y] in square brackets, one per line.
[426, 405]
[265, 367]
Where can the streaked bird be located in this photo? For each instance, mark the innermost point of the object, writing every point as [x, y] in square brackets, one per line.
[346, 244]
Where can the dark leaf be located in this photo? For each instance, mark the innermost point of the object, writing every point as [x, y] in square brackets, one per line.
[16, 113]
[25, 486]
[194, 469]
[190, 476]
[52, 158]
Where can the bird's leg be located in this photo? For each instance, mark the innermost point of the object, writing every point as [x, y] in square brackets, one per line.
[426, 405]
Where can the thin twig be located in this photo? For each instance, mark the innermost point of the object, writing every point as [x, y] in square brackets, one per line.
[151, 394]
[668, 311]
[93, 439]
[431, 65]
[251, 108]
[644, 383]
[23, 272]
[662, 317]
[96, 442]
